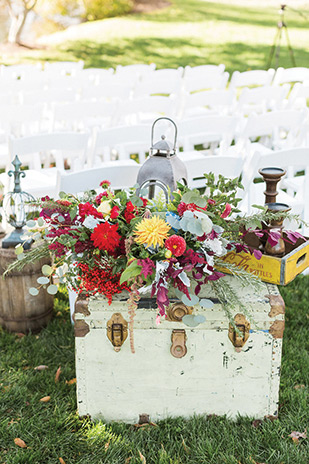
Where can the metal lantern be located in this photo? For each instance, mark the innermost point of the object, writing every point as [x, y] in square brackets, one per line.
[16, 208]
[163, 168]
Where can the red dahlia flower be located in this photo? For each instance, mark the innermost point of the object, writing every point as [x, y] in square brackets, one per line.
[176, 244]
[105, 237]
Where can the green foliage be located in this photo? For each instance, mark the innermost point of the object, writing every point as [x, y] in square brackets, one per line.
[100, 9]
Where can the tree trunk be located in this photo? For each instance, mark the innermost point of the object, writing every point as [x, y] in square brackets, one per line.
[16, 27]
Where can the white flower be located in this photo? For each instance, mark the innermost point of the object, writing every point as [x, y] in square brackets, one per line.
[105, 207]
[215, 245]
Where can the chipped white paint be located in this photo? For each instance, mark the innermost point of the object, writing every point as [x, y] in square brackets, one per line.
[212, 378]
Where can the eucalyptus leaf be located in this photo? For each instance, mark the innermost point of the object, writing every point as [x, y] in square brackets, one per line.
[190, 302]
[20, 256]
[52, 289]
[30, 223]
[187, 197]
[41, 222]
[192, 320]
[62, 195]
[60, 218]
[33, 291]
[43, 280]
[206, 303]
[178, 293]
[47, 270]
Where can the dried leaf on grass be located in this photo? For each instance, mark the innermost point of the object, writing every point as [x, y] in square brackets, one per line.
[128, 460]
[45, 399]
[297, 435]
[19, 442]
[106, 446]
[299, 387]
[42, 367]
[61, 461]
[58, 374]
[70, 382]
[143, 459]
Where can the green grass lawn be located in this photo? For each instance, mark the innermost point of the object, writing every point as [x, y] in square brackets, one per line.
[188, 32]
[53, 429]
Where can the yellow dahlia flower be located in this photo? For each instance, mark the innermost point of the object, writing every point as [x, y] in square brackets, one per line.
[152, 231]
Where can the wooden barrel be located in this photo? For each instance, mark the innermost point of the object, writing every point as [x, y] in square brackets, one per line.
[19, 311]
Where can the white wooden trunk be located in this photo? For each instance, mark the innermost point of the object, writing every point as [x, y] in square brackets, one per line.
[213, 377]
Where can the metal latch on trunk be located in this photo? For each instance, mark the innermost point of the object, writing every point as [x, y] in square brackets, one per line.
[177, 311]
[178, 348]
[239, 337]
[117, 330]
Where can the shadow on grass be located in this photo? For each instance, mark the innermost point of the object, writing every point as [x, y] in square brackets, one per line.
[197, 11]
[174, 52]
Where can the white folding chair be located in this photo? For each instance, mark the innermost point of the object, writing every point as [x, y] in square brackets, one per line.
[261, 99]
[227, 166]
[205, 82]
[122, 175]
[299, 96]
[206, 130]
[109, 91]
[160, 82]
[257, 77]
[205, 70]
[63, 148]
[82, 115]
[36, 150]
[275, 129]
[206, 102]
[135, 71]
[144, 110]
[121, 141]
[63, 67]
[297, 74]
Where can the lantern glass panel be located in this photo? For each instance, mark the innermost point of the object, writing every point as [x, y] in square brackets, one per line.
[18, 208]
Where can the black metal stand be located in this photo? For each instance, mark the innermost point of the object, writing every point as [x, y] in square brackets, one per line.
[281, 26]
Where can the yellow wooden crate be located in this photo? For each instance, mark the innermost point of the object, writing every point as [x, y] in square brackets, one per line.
[279, 271]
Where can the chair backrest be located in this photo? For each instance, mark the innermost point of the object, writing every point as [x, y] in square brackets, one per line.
[299, 95]
[22, 119]
[265, 124]
[57, 146]
[109, 91]
[145, 109]
[205, 70]
[217, 100]
[297, 74]
[262, 98]
[206, 129]
[121, 175]
[122, 140]
[135, 71]
[163, 81]
[63, 67]
[228, 166]
[83, 114]
[254, 77]
[205, 82]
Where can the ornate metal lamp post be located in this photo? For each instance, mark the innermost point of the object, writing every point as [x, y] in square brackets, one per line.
[163, 168]
[16, 208]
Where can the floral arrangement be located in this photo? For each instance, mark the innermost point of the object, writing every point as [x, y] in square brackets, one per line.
[109, 242]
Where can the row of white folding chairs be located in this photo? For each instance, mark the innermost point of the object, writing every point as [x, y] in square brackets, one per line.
[276, 129]
[238, 79]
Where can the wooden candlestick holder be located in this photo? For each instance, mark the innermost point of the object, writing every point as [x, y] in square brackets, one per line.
[271, 177]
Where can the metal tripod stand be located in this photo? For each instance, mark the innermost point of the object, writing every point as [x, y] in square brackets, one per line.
[281, 26]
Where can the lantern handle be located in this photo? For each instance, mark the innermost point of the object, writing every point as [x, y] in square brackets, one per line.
[168, 119]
